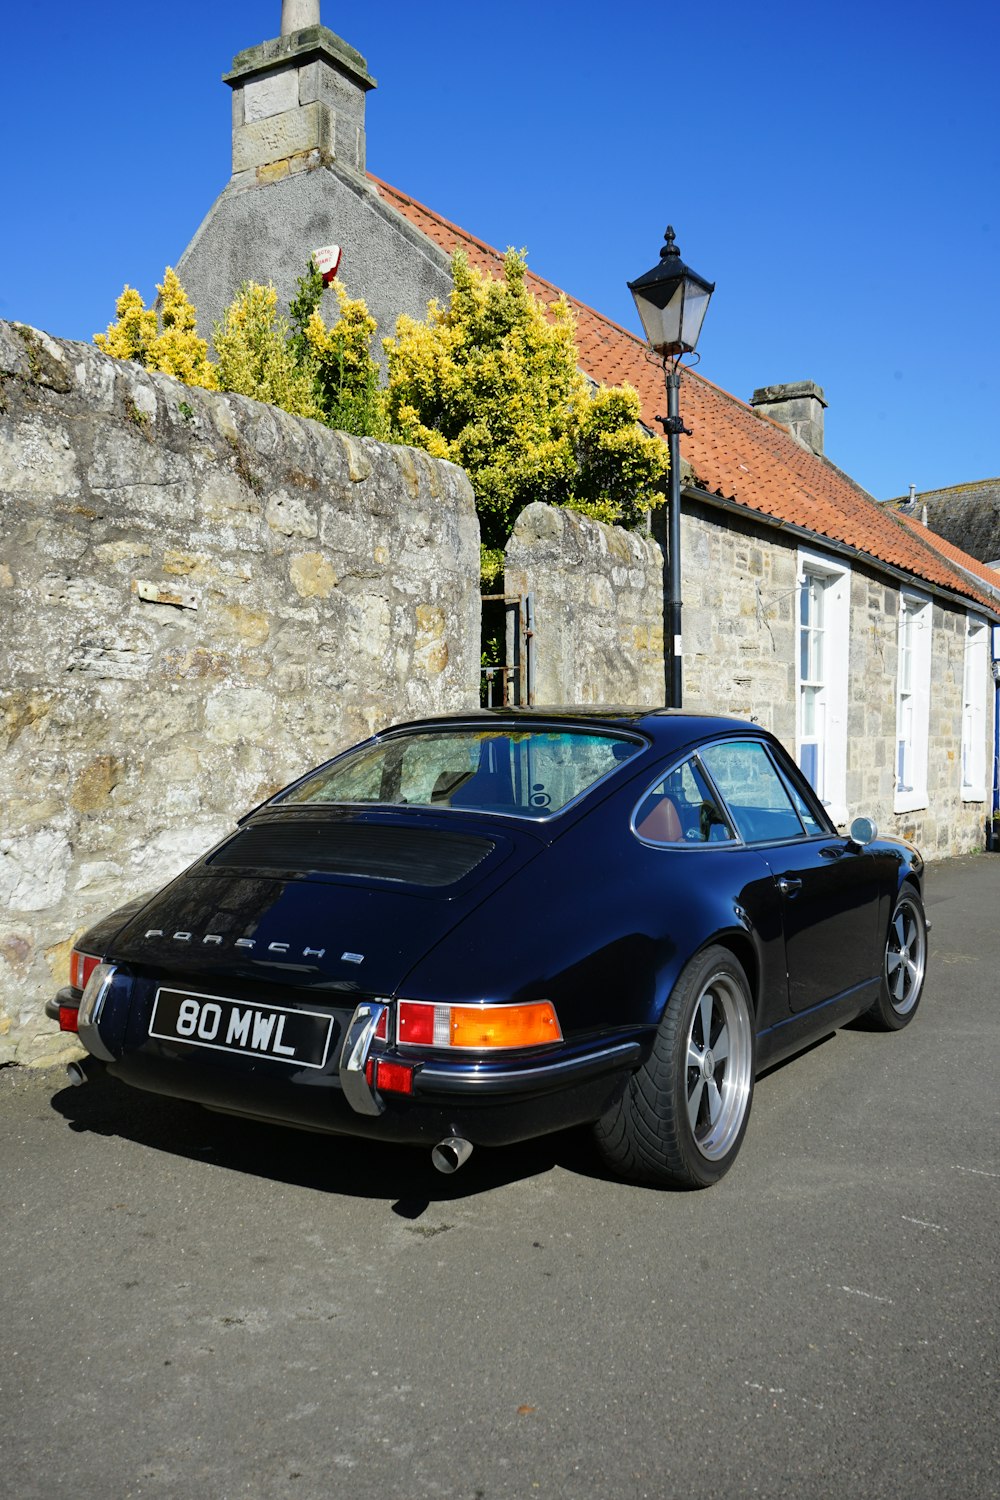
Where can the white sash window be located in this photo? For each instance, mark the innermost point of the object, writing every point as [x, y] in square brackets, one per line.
[913, 685]
[824, 604]
[974, 695]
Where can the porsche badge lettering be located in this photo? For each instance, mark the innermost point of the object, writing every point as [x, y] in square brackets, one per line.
[215, 940]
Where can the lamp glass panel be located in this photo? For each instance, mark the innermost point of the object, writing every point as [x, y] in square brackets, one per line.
[695, 307]
[662, 323]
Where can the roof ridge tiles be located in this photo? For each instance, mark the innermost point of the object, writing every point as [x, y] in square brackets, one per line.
[944, 491]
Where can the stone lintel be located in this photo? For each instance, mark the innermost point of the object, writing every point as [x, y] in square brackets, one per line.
[296, 50]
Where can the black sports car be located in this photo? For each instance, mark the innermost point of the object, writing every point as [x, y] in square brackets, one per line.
[480, 928]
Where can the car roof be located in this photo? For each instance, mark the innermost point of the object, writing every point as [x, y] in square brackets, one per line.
[668, 728]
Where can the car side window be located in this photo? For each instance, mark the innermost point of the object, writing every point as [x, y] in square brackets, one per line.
[754, 792]
[682, 809]
[805, 812]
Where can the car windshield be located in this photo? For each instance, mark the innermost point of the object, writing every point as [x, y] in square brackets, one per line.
[531, 773]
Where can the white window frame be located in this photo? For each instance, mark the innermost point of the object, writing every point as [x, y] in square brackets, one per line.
[829, 687]
[914, 628]
[974, 700]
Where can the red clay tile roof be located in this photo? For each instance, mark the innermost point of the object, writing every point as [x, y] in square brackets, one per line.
[734, 452]
[941, 545]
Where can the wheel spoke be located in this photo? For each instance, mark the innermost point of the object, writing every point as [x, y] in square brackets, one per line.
[705, 1012]
[694, 1103]
[899, 928]
[695, 1054]
[720, 1047]
[714, 1101]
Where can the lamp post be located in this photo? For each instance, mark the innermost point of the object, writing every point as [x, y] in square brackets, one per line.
[672, 300]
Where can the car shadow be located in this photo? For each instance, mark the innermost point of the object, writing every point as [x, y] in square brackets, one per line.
[402, 1175]
[778, 1067]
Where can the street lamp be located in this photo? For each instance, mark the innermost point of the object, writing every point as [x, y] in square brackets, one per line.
[672, 300]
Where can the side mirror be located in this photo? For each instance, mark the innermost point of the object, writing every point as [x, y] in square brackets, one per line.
[864, 831]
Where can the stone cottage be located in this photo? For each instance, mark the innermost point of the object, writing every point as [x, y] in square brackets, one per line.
[861, 641]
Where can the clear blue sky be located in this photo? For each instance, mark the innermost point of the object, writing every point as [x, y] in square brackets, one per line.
[834, 168]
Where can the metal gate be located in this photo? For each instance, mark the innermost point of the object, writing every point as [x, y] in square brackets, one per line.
[512, 679]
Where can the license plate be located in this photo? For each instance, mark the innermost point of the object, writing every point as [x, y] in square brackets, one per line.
[300, 1038]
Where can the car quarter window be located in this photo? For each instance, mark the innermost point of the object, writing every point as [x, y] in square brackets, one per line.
[753, 791]
[682, 809]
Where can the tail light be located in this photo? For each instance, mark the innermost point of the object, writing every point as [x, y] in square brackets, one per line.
[479, 1028]
[81, 966]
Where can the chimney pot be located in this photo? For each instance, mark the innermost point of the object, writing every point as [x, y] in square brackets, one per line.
[296, 15]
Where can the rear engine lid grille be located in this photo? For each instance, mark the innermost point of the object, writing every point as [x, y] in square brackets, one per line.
[413, 856]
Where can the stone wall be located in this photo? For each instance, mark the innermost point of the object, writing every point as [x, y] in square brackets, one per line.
[599, 638]
[738, 620]
[599, 625]
[200, 597]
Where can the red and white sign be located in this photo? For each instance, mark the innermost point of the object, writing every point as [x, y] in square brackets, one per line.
[327, 262]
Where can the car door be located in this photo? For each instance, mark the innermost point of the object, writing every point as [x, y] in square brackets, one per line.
[828, 887]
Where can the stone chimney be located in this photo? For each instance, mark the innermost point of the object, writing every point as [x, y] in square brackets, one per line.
[298, 101]
[798, 406]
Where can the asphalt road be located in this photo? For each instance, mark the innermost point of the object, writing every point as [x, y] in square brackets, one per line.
[193, 1307]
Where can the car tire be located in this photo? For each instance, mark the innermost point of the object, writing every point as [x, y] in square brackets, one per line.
[904, 964]
[682, 1117]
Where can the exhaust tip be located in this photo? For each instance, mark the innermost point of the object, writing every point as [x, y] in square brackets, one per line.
[451, 1153]
[83, 1071]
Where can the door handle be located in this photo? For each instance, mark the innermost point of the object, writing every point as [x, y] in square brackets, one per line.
[789, 885]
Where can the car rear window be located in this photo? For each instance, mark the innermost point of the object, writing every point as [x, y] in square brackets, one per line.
[525, 773]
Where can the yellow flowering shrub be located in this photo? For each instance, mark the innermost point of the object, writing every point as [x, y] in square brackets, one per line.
[178, 350]
[135, 330]
[345, 373]
[492, 382]
[256, 356]
[621, 473]
[169, 343]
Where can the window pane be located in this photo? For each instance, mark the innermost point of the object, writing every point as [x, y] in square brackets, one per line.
[812, 823]
[531, 773]
[754, 792]
[682, 808]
